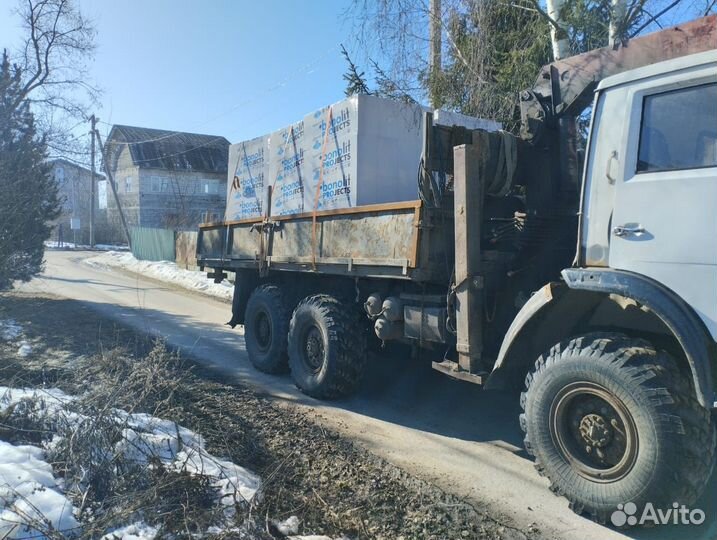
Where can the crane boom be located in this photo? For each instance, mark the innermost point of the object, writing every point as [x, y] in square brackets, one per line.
[565, 87]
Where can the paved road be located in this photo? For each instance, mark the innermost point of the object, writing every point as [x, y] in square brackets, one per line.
[449, 432]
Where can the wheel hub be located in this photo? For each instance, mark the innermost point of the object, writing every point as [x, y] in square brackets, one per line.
[595, 431]
[314, 349]
[263, 330]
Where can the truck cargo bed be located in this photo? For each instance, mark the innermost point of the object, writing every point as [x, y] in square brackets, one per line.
[397, 240]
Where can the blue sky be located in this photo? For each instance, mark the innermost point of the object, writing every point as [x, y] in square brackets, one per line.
[237, 68]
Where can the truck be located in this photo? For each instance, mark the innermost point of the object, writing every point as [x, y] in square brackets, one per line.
[580, 276]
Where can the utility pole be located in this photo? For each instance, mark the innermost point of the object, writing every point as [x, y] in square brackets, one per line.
[111, 180]
[434, 63]
[93, 121]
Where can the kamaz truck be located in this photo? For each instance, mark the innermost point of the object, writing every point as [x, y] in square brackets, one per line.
[582, 275]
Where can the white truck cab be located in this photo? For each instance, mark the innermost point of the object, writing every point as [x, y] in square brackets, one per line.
[619, 405]
[651, 179]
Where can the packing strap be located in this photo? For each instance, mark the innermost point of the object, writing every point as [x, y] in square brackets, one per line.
[329, 120]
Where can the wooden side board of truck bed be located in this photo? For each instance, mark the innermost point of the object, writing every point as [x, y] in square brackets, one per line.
[401, 240]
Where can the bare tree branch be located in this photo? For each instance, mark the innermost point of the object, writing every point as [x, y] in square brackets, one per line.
[52, 61]
[653, 18]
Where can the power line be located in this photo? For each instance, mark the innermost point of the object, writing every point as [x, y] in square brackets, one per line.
[163, 156]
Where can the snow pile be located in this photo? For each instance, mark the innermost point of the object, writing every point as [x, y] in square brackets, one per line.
[71, 245]
[56, 245]
[314, 537]
[34, 503]
[50, 399]
[24, 350]
[111, 247]
[289, 529]
[146, 437]
[136, 531]
[164, 271]
[9, 329]
[31, 500]
[289, 526]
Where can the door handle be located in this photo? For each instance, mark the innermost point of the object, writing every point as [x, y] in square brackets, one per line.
[623, 230]
[608, 167]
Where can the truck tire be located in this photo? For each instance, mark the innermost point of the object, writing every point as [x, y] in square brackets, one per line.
[327, 347]
[612, 420]
[266, 325]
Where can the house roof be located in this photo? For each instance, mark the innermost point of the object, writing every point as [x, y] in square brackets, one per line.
[68, 163]
[171, 150]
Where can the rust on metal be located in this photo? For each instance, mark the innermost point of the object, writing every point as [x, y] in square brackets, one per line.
[577, 75]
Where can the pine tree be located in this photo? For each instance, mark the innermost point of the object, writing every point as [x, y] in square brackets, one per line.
[28, 195]
[355, 80]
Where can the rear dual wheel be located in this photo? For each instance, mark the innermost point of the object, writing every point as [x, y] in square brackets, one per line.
[327, 347]
[323, 341]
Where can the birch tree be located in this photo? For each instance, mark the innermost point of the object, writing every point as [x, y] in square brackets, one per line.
[558, 29]
[493, 49]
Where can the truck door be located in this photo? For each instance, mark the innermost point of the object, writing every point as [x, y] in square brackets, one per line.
[664, 222]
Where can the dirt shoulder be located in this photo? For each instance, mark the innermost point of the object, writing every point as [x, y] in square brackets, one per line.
[334, 487]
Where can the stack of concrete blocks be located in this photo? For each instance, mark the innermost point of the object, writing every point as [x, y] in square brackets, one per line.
[450, 118]
[288, 174]
[248, 177]
[371, 149]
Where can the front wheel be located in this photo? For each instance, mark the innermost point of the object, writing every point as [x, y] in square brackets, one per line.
[612, 420]
[327, 347]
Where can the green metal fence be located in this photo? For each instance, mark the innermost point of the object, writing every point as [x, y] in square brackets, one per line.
[152, 244]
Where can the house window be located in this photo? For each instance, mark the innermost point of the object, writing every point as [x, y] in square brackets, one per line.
[159, 184]
[210, 187]
[128, 184]
[102, 194]
[60, 174]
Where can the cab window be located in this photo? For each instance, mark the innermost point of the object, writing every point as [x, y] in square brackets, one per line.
[679, 130]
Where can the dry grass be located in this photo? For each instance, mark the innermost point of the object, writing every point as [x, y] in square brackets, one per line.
[333, 487]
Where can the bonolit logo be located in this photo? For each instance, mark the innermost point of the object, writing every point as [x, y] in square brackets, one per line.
[627, 514]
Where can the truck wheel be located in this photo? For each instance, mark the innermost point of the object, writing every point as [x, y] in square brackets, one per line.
[327, 347]
[612, 420]
[266, 324]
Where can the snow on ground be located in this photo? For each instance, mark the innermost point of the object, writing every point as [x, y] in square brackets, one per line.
[71, 245]
[314, 537]
[24, 350]
[9, 329]
[136, 531]
[30, 496]
[288, 526]
[290, 529]
[50, 399]
[146, 437]
[29, 490]
[164, 271]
